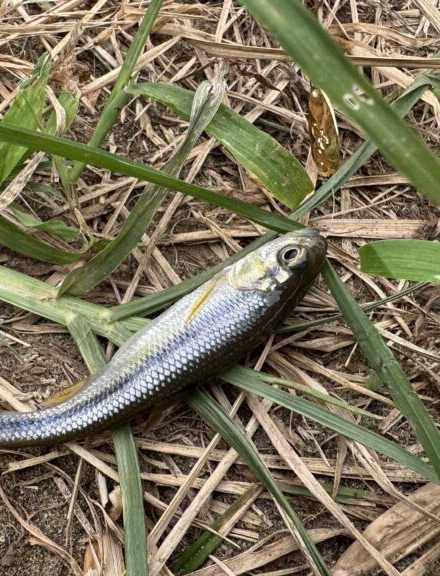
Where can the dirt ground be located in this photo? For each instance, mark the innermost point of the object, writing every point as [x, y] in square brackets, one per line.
[56, 502]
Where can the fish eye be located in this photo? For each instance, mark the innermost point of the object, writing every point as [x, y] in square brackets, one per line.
[289, 255]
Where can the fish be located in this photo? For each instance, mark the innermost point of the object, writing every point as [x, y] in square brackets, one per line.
[198, 337]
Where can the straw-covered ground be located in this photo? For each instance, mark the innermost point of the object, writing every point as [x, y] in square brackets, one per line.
[60, 507]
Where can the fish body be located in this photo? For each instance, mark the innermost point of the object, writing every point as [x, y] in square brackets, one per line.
[200, 335]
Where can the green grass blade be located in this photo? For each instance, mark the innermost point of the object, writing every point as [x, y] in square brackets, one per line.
[86, 342]
[365, 307]
[308, 391]
[301, 35]
[16, 239]
[135, 533]
[212, 413]
[196, 554]
[102, 159]
[279, 171]
[136, 47]
[408, 259]
[250, 381]
[382, 361]
[81, 280]
[30, 294]
[38, 297]
[56, 227]
[26, 110]
[118, 98]
[345, 495]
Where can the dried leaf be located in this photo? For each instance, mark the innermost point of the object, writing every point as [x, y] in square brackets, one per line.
[398, 532]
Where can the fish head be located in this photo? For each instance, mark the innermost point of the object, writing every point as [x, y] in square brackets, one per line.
[285, 266]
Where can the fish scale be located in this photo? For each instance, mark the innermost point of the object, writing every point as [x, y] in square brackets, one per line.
[197, 337]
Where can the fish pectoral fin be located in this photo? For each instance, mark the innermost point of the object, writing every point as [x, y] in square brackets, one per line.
[65, 393]
[203, 297]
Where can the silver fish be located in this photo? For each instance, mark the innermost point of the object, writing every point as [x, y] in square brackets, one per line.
[196, 338]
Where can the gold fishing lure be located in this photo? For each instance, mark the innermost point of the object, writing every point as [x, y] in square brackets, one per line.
[324, 136]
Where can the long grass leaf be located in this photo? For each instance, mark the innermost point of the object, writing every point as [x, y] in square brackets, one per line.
[365, 307]
[56, 227]
[135, 533]
[26, 110]
[102, 159]
[86, 342]
[279, 171]
[41, 298]
[293, 25]
[408, 259]
[381, 359]
[16, 239]
[206, 544]
[250, 381]
[212, 412]
[308, 391]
